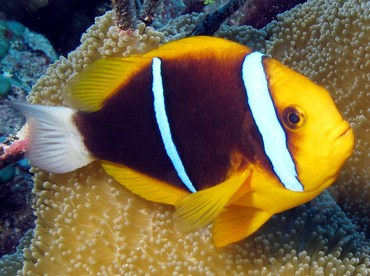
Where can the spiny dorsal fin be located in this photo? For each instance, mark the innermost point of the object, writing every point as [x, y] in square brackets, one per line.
[236, 223]
[201, 208]
[87, 90]
[149, 188]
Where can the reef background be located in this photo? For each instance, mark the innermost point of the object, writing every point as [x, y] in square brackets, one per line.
[327, 41]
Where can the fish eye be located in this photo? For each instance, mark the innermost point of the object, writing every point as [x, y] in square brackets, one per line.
[293, 117]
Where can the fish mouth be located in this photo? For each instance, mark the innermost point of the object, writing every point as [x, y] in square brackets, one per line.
[344, 138]
[343, 130]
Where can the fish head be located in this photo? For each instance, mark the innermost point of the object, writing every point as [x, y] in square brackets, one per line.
[318, 138]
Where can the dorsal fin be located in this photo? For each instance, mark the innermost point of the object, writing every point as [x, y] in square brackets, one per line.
[87, 90]
[194, 45]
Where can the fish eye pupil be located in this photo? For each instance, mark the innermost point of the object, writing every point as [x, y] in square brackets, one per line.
[294, 118]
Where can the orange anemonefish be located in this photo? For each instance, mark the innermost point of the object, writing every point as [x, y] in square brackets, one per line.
[225, 134]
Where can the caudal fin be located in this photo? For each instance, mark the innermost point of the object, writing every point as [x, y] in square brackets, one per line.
[55, 144]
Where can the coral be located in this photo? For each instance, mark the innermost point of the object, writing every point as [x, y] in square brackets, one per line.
[214, 20]
[148, 10]
[37, 42]
[27, 58]
[182, 26]
[7, 174]
[103, 39]
[16, 215]
[61, 21]
[4, 86]
[258, 13]
[125, 12]
[170, 9]
[11, 263]
[4, 47]
[89, 224]
[9, 31]
[12, 150]
[204, 17]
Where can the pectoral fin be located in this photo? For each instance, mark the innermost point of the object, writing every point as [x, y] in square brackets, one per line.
[201, 208]
[145, 186]
[236, 223]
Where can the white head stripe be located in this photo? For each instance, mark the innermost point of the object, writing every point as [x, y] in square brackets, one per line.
[164, 126]
[263, 112]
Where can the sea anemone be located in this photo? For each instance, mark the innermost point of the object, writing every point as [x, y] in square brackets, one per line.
[89, 224]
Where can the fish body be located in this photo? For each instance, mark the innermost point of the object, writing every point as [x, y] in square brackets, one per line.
[227, 135]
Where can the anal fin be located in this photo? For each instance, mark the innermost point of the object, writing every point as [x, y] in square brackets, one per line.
[145, 186]
[236, 223]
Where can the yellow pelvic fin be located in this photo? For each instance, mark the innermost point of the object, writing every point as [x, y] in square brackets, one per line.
[236, 223]
[87, 90]
[201, 208]
[147, 187]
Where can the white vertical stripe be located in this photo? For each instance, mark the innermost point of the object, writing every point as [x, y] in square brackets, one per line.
[263, 112]
[164, 126]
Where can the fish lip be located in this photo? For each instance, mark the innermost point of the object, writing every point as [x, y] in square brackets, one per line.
[345, 132]
[344, 129]
[344, 139]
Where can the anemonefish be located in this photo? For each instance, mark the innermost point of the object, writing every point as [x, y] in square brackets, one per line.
[227, 135]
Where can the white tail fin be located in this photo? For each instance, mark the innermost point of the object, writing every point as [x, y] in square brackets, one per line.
[55, 144]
